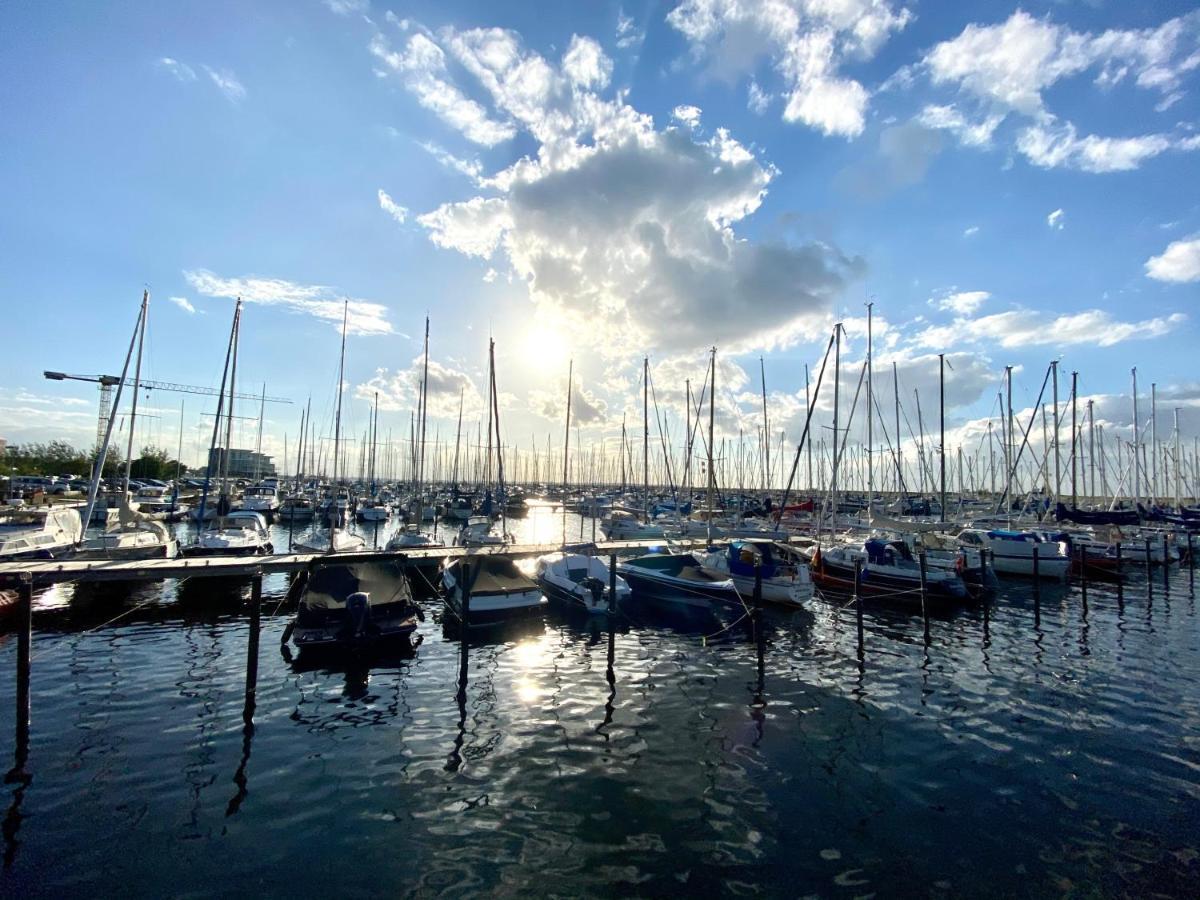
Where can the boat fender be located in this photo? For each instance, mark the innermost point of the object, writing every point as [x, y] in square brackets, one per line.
[358, 607]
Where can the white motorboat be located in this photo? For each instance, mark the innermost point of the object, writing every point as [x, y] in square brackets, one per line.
[410, 537]
[335, 540]
[623, 526]
[580, 581]
[374, 510]
[240, 533]
[784, 581]
[260, 498]
[888, 571]
[677, 579]
[1012, 552]
[38, 532]
[498, 589]
[478, 531]
[296, 508]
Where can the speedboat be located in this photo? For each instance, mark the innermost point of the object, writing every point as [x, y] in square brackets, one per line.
[580, 581]
[240, 533]
[374, 510]
[783, 581]
[888, 572]
[678, 579]
[497, 588]
[38, 532]
[352, 605]
[424, 570]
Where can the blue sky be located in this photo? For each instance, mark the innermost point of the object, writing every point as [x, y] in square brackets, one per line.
[598, 182]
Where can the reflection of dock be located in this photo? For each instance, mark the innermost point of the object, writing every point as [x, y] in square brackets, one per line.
[52, 571]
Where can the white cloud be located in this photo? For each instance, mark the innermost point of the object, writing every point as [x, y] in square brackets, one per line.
[1031, 328]
[228, 84]
[391, 207]
[1051, 147]
[807, 42]
[365, 317]
[586, 408]
[422, 67]
[399, 390]
[620, 231]
[970, 231]
[345, 7]
[757, 99]
[1013, 63]
[1055, 220]
[628, 34]
[948, 118]
[472, 168]
[1180, 262]
[962, 302]
[182, 71]
[1008, 67]
[184, 304]
[688, 115]
[586, 64]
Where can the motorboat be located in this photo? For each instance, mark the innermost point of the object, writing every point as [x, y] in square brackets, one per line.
[354, 605]
[334, 540]
[580, 581]
[624, 526]
[784, 581]
[498, 589]
[131, 535]
[460, 509]
[260, 498]
[38, 532]
[888, 571]
[239, 533]
[1012, 552]
[410, 537]
[478, 531]
[677, 579]
[374, 510]
[296, 508]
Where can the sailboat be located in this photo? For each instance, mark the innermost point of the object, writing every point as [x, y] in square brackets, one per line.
[578, 580]
[241, 533]
[130, 534]
[340, 540]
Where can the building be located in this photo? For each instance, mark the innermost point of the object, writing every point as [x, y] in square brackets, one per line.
[242, 463]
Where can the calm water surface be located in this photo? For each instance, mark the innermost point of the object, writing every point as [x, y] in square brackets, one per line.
[1047, 749]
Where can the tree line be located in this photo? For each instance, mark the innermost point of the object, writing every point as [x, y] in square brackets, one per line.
[61, 458]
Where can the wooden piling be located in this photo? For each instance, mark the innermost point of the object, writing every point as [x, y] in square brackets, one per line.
[1191, 566]
[252, 645]
[858, 613]
[612, 582]
[1083, 575]
[1149, 574]
[1166, 564]
[924, 593]
[24, 655]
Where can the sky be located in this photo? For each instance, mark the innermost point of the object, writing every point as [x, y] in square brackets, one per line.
[591, 184]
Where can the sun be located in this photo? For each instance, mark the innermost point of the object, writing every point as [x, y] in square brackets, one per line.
[546, 347]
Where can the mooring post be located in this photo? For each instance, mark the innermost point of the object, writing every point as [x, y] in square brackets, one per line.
[858, 613]
[1120, 582]
[24, 648]
[758, 595]
[924, 594]
[1166, 564]
[1149, 574]
[612, 582]
[1037, 578]
[1191, 566]
[983, 579]
[291, 527]
[1083, 574]
[252, 643]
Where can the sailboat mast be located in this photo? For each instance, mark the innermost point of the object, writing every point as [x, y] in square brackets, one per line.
[1137, 474]
[870, 410]
[646, 438]
[567, 448]
[942, 427]
[1074, 433]
[337, 422]
[457, 440]
[237, 327]
[424, 411]
[137, 378]
[766, 429]
[712, 412]
[837, 394]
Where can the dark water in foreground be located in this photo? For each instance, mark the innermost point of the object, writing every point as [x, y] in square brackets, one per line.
[1028, 752]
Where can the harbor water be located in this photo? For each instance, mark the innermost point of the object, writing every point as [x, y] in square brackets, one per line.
[1038, 745]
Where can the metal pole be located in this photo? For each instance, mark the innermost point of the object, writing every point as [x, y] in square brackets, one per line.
[858, 613]
[252, 644]
[24, 648]
[924, 594]
[612, 582]
[942, 444]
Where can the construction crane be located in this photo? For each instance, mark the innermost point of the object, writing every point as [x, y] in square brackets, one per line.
[108, 382]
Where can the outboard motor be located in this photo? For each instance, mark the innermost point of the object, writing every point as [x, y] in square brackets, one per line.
[358, 609]
[596, 586]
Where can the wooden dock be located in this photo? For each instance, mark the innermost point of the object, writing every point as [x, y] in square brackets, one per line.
[52, 571]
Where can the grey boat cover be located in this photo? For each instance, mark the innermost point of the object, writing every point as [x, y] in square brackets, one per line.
[497, 575]
[329, 586]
